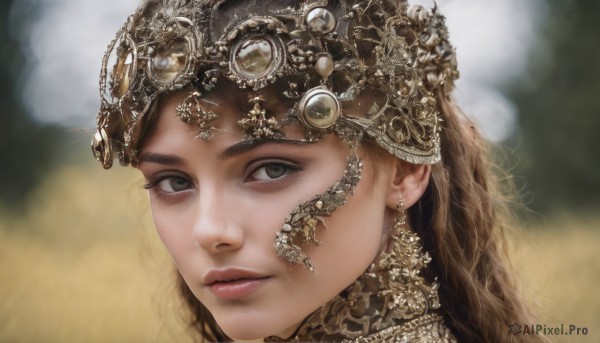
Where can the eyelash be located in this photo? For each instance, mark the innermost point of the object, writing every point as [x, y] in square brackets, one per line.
[290, 168]
[153, 185]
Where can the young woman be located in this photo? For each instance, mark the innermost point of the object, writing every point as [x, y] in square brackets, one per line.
[308, 172]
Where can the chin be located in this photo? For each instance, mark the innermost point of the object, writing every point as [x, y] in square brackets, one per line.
[252, 329]
[245, 332]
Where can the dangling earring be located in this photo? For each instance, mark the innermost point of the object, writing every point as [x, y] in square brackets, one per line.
[404, 289]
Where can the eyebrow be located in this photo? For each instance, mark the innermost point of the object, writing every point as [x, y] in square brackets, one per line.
[234, 150]
[170, 160]
[247, 145]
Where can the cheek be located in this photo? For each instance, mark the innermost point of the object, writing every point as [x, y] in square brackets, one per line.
[354, 232]
[351, 240]
[174, 230]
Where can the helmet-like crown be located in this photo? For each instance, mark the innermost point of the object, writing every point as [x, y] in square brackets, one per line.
[322, 56]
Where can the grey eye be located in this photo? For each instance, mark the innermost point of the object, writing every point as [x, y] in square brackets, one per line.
[270, 172]
[173, 185]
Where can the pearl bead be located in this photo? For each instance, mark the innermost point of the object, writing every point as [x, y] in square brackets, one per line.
[320, 20]
[324, 66]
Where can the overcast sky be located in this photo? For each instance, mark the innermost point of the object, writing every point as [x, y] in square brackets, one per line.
[65, 44]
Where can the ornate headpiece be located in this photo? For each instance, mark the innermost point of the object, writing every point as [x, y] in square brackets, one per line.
[322, 56]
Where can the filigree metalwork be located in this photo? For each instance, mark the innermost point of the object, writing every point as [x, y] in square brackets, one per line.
[300, 226]
[347, 47]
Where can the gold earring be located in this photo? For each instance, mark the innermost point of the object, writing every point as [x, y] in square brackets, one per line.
[408, 294]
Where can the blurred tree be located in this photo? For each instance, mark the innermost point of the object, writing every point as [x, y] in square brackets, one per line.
[26, 148]
[559, 105]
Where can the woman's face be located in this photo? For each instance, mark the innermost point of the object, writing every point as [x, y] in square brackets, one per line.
[218, 204]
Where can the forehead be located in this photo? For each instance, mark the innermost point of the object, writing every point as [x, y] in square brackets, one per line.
[227, 93]
[229, 109]
[223, 111]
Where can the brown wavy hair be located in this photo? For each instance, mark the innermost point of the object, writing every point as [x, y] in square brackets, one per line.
[461, 220]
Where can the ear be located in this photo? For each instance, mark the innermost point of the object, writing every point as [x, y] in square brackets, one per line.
[408, 182]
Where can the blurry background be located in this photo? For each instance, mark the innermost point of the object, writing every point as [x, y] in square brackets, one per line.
[79, 259]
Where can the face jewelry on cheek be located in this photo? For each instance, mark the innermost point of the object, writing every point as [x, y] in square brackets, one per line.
[301, 225]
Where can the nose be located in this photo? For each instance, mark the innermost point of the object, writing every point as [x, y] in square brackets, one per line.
[215, 229]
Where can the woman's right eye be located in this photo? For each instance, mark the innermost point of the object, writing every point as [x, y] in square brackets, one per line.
[170, 185]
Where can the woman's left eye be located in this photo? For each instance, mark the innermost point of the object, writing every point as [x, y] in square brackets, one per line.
[271, 171]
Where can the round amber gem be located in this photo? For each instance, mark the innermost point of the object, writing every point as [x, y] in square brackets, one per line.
[170, 61]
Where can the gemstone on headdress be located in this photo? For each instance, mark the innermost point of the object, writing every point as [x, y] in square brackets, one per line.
[101, 148]
[123, 73]
[170, 61]
[320, 20]
[319, 108]
[119, 68]
[255, 56]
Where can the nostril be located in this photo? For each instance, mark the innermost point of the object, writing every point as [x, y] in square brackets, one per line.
[222, 245]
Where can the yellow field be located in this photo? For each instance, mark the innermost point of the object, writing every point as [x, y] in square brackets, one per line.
[85, 265]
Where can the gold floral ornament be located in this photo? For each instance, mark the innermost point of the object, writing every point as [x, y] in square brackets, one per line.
[300, 227]
[258, 124]
[191, 112]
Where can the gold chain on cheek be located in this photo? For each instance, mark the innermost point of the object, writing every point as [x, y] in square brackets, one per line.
[301, 225]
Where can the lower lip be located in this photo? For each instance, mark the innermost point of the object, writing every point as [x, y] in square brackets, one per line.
[236, 289]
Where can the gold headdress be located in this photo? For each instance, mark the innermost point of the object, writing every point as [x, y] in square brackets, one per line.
[322, 55]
